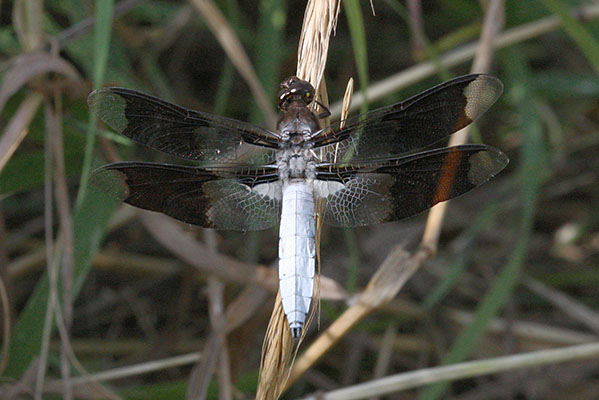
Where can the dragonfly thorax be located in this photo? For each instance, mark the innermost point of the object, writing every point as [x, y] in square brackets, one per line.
[296, 126]
[298, 119]
[296, 161]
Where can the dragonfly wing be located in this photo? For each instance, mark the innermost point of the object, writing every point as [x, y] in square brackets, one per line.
[181, 132]
[362, 194]
[238, 200]
[417, 122]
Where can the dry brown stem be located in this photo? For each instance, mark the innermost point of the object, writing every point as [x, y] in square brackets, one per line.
[216, 354]
[5, 326]
[276, 352]
[482, 62]
[25, 67]
[319, 21]
[17, 127]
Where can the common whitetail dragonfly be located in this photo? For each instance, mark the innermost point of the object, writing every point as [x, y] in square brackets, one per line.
[368, 169]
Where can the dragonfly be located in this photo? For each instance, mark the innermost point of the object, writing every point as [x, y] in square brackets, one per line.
[371, 168]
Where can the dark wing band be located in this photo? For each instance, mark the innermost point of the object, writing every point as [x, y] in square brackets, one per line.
[243, 200]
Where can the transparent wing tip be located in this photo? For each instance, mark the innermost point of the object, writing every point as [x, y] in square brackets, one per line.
[486, 164]
[110, 107]
[109, 181]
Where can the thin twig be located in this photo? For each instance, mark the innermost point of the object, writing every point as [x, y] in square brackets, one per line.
[526, 331]
[482, 62]
[574, 309]
[26, 67]
[4, 300]
[49, 251]
[385, 352]
[67, 349]
[5, 248]
[219, 323]
[48, 319]
[18, 127]
[76, 31]
[417, 36]
[54, 125]
[238, 312]
[131, 370]
[215, 350]
[409, 380]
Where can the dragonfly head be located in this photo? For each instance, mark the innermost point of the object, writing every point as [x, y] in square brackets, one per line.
[294, 90]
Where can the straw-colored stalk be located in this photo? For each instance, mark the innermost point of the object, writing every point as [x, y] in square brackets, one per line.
[319, 21]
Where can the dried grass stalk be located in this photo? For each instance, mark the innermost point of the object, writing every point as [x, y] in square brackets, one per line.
[276, 353]
[492, 24]
[347, 99]
[320, 19]
[18, 127]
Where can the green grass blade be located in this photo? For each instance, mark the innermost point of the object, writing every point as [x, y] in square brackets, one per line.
[458, 265]
[269, 49]
[224, 89]
[355, 21]
[89, 224]
[358, 35]
[353, 249]
[227, 75]
[102, 30]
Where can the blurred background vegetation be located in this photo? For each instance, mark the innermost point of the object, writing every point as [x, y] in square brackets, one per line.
[518, 263]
